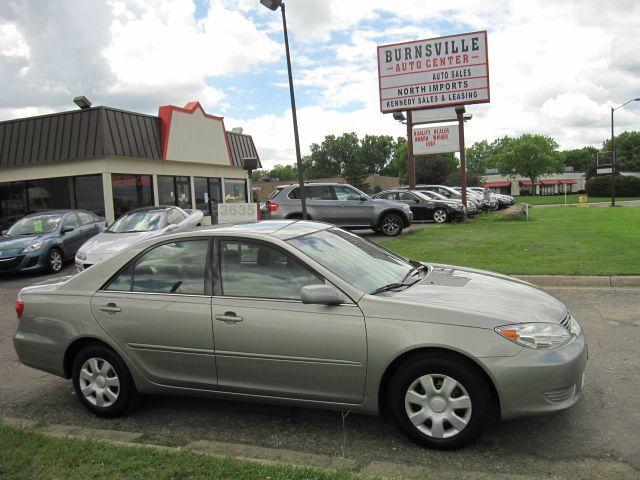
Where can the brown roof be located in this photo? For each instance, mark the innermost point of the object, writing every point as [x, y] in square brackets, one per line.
[89, 133]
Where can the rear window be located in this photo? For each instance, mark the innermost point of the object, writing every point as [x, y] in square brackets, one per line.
[274, 193]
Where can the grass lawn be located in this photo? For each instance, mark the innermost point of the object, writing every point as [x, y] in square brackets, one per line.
[554, 241]
[571, 199]
[27, 455]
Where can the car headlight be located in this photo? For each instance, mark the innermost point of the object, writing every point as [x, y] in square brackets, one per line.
[33, 247]
[536, 335]
[457, 207]
[81, 256]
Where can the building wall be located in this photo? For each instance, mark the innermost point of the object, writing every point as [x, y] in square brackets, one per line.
[516, 188]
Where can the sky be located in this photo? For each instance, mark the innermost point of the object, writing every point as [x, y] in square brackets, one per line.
[555, 68]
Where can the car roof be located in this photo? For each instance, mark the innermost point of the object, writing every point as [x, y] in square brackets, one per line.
[283, 229]
[52, 212]
[162, 208]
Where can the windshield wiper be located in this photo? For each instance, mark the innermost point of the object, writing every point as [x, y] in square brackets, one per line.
[390, 286]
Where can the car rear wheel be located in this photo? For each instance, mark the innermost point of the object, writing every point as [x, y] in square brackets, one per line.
[102, 381]
[54, 260]
[440, 215]
[391, 225]
[440, 403]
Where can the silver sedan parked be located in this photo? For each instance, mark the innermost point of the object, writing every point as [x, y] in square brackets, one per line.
[304, 313]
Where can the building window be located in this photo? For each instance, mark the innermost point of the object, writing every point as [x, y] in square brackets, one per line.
[174, 191]
[235, 191]
[13, 203]
[49, 194]
[207, 189]
[547, 189]
[89, 194]
[131, 191]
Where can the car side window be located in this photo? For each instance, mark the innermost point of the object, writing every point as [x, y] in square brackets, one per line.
[314, 192]
[346, 193]
[175, 216]
[258, 270]
[406, 196]
[85, 218]
[71, 220]
[176, 267]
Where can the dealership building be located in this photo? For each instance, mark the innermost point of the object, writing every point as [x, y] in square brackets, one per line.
[110, 161]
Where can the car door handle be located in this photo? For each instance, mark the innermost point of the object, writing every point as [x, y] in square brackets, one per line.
[229, 317]
[110, 308]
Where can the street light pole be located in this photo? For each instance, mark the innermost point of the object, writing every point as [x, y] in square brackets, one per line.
[273, 5]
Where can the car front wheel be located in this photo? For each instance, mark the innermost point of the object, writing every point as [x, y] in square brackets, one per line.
[54, 260]
[102, 381]
[440, 215]
[391, 225]
[440, 403]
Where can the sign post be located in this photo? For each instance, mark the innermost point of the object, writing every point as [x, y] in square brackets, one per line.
[463, 171]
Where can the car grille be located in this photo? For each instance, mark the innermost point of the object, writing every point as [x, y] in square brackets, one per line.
[10, 263]
[560, 396]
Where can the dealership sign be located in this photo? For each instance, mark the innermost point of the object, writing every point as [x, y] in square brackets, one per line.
[438, 72]
[440, 139]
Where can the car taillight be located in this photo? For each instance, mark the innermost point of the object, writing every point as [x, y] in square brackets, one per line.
[273, 207]
[19, 308]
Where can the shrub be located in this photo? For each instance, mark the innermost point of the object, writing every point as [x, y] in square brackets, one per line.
[626, 186]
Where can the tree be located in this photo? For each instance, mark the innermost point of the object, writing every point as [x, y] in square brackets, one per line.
[397, 167]
[627, 150]
[434, 169]
[530, 156]
[376, 152]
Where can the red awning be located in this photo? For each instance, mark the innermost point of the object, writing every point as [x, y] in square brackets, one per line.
[567, 182]
[549, 182]
[526, 183]
[503, 183]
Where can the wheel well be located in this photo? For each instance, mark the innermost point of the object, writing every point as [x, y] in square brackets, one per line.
[403, 217]
[383, 392]
[74, 349]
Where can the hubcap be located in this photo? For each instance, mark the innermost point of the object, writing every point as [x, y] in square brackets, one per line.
[438, 405]
[390, 226]
[56, 260]
[439, 216]
[99, 382]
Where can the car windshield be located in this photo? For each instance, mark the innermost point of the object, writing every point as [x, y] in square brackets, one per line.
[35, 225]
[359, 262]
[139, 222]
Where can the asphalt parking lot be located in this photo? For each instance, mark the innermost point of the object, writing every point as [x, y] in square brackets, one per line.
[595, 439]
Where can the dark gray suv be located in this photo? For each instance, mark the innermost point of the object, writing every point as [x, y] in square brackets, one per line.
[339, 204]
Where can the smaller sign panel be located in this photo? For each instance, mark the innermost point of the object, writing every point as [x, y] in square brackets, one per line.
[434, 115]
[605, 170]
[441, 139]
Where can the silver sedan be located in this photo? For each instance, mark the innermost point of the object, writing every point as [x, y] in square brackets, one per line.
[304, 313]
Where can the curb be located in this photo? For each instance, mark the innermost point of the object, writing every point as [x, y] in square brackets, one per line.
[631, 281]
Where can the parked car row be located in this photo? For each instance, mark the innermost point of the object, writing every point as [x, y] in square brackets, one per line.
[45, 240]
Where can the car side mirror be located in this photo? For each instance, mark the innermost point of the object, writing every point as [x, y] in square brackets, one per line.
[363, 198]
[417, 200]
[4, 232]
[172, 227]
[67, 229]
[320, 294]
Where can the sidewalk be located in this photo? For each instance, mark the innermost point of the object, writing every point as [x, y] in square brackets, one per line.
[631, 281]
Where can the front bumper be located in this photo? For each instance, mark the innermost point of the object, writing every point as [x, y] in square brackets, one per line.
[537, 382]
[24, 262]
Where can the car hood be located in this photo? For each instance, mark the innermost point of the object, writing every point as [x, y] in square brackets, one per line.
[107, 243]
[484, 292]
